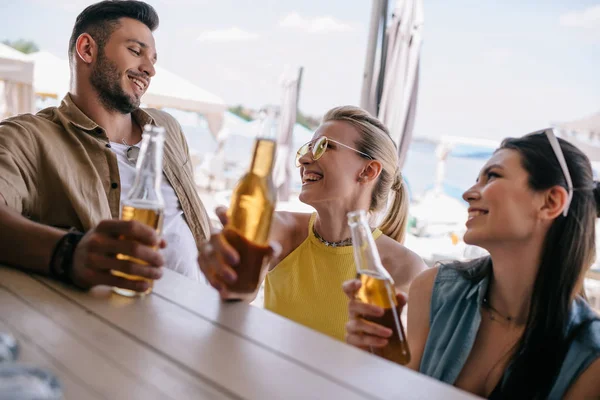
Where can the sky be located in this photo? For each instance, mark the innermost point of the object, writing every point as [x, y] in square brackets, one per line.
[489, 69]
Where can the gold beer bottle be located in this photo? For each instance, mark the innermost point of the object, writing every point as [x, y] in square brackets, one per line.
[144, 202]
[250, 214]
[377, 288]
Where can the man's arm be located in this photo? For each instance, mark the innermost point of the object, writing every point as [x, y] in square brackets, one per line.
[28, 245]
[85, 261]
[25, 243]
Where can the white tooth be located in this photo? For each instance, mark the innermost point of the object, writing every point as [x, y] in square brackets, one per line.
[139, 83]
[475, 213]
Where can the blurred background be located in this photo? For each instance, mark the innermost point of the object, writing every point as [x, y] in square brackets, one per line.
[471, 73]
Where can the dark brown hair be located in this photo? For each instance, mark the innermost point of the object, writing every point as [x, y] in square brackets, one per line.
[101, 19]
[568, 251]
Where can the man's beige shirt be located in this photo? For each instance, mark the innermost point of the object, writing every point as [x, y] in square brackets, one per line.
[57, 168]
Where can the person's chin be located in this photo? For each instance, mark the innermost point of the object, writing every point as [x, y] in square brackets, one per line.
[134, 101]
[134, 98]
[307, 198]
[473, 238]
[303, 197]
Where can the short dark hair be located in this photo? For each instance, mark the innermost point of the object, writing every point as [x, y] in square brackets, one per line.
[101, 19]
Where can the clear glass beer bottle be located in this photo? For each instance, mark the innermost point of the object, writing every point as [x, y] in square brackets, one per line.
[144, 202]
[377, 288]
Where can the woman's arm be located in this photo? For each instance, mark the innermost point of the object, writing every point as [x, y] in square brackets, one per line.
[419, 300]
[587, 386]
[217, 257]
[288, 229]
[402, 264]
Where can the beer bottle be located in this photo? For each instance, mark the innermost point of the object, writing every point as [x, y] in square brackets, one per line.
[144, 202]
[250, 214]
[377, 288]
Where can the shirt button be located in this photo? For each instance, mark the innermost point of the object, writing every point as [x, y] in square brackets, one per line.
[114, 185]
[108, 145]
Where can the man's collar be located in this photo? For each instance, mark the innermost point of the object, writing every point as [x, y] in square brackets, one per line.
[76, 117]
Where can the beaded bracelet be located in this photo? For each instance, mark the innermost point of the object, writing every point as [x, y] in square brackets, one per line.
[61, 263]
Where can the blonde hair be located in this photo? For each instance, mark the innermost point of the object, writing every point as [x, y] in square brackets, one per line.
[376, 141]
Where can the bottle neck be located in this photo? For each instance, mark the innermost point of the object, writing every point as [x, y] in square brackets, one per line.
[148, 178]
[263, 157]
[366, 255]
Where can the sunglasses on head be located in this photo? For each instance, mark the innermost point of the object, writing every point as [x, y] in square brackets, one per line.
[563, 165]
[319, 146]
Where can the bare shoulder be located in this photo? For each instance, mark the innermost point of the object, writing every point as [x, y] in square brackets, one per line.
[289, 223]
[419, 304]
[419, 297]
[587, 386]
[402, 263]
[422, 285]
[289, 229]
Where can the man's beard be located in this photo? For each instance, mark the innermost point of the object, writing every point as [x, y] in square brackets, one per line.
[106, 79]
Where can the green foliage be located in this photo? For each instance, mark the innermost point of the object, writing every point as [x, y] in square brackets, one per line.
[307, 121]
[24, 46]
[241, 112]
[248, 114]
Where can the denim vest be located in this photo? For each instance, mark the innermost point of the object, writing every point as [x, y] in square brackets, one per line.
[454, 322]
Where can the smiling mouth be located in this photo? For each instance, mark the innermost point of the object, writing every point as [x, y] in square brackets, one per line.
[139, 83]
[311, 178]
[477, 213]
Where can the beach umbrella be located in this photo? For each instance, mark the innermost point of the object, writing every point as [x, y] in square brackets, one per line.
[583, 133]
[400, 73]
[169, 90]
[284, 161]
[16, 78]
[51, 75]
[394, 86]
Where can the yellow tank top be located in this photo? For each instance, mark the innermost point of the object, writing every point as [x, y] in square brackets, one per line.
[306, 286]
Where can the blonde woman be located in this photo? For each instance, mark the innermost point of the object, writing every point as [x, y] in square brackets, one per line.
[351, 163]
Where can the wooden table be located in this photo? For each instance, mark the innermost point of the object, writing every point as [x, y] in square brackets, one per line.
[182, 342]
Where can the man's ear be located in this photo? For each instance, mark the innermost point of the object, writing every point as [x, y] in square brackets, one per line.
[555, 201]
[371, 171]
[86, 48]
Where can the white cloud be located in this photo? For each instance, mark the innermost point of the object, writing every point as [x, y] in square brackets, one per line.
[314, 25]
[588, 18]
[234, 34]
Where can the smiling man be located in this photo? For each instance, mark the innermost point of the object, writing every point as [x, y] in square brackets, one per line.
[67, 167]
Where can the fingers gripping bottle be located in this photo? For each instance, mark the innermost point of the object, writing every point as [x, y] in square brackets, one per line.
[377, 288]
[144, 202]
[251, 213]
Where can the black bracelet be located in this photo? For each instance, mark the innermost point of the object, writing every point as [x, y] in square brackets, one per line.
[61, 263]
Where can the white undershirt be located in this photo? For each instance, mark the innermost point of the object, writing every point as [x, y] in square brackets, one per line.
[181, 253]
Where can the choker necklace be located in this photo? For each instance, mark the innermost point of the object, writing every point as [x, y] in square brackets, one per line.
[491, 310]
[341, 243]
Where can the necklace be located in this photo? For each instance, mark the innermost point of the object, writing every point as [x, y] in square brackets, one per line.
[491, 310]
[345, 242]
